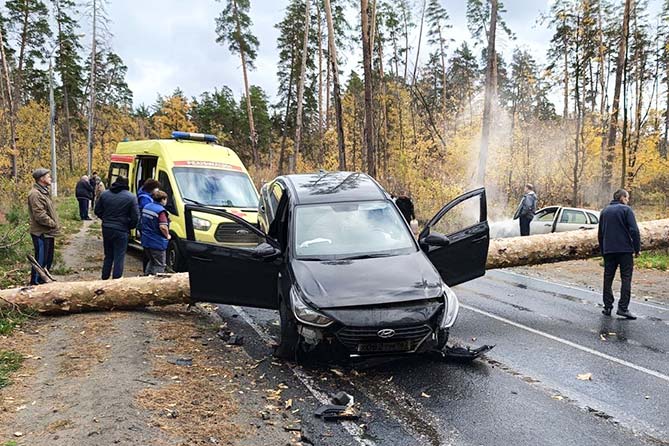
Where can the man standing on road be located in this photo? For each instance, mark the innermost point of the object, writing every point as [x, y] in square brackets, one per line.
[84, 192]
[619, 241]
[155, 227]
[526, 209]
[117, 208]
[44, 224]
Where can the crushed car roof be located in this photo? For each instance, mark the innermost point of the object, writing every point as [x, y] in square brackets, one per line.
[328, 187]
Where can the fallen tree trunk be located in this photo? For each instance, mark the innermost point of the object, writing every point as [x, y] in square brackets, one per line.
[99, 295]
[561, 246]
[139, 292]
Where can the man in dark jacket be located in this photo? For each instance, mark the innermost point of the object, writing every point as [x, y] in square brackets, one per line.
[619, 241]
[527, 209]
[84, 193]
[117, 208]
[44, 225]
[405, 205]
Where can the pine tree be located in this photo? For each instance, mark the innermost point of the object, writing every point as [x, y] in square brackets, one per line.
[437, 19]
[234, 27]
[68, 66]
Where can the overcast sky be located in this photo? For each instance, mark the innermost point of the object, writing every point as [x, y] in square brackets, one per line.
[171, 43]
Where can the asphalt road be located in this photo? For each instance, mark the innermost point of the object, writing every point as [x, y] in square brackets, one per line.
[524, 392]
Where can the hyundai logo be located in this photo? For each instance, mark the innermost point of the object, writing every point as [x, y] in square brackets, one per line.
[386, 333]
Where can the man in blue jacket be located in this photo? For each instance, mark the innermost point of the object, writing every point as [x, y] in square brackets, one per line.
[117, 208]
[155, 226]
[619, 242]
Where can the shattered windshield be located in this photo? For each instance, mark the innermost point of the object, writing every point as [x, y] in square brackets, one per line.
[216, 187]
[351, 230]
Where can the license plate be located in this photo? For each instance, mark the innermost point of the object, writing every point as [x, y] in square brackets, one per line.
[384, 347]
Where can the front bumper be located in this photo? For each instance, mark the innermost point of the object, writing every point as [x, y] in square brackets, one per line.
[379, 332]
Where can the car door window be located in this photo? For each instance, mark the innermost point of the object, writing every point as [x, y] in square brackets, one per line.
[593, 219]
[573, 216]
[167, 187]
[545, 216]
[463, 215]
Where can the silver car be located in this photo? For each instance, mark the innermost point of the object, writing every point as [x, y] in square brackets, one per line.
[547, 220]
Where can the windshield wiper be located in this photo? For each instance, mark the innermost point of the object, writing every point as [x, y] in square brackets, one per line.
[193, 201]
[366, 256]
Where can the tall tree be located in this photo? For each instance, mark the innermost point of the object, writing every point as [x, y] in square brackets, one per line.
[29, 20]
[367, 66]
[68, 65]
[489, 91]
[607, 172]
[8, 99]
[437, 19]
[234, 27]
[300, 88]
[663, 58]
[336, 89]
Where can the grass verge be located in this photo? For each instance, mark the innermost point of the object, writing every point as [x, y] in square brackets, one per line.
[653, 260]
[9, 362]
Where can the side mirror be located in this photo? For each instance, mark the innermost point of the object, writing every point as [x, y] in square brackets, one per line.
[265, 251]
[435, 239]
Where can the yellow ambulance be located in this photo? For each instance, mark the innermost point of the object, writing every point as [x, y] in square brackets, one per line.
[192, 168]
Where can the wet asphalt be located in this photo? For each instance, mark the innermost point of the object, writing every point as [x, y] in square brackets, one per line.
[525, 391]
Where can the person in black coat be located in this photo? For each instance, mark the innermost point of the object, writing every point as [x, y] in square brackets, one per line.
[84, 193]
[117, 208]
[619, 242]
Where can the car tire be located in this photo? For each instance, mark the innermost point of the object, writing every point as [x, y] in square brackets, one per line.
[288, 336]
[174, 260]
[442, 338]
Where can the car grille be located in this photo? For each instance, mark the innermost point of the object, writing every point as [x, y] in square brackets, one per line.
[235, 233]
[408, 337]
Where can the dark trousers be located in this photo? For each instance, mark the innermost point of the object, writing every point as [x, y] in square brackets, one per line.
[44, 247]
[83, 207]
[525, 225]
[115, 244]
[611, 263]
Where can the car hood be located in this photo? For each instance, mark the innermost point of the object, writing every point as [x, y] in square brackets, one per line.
[348, 283]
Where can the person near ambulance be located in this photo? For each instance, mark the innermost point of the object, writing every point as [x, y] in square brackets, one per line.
[144, 195]
[155, 229]
[44, 225]
[117, 208]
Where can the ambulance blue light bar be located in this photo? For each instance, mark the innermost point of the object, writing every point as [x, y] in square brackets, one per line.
[194, 136]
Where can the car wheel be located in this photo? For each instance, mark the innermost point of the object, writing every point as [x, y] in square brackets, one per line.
[174, 259]
[442, 338]
[288, 336]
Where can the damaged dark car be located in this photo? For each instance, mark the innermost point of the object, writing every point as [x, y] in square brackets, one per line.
[338, 261]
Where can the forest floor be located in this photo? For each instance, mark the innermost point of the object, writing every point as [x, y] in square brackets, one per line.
[160, 376]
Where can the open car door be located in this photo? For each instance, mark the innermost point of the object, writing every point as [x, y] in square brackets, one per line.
[232, 275]
[456, 239]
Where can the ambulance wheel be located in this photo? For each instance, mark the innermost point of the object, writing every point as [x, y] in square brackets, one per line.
[175, 260]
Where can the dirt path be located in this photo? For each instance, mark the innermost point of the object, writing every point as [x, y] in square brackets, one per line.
[157, 377]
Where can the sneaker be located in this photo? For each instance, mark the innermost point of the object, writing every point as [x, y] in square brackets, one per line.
[626, 314]
[606, 311]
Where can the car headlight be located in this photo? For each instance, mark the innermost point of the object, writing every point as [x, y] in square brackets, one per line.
[452, 307]
[201, 224]
[305, 314]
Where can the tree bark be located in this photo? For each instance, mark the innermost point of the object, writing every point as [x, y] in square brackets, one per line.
[336, 91]
[10, 105]
[140, 292]
[489, 91]
[300, 91]
[561, 246]
[249, 108]
[91, 104]
[607, 173]
[369, 111]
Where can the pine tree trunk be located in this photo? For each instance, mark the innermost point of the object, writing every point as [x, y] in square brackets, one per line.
[11, 108]
[490, 82]
[300, 91]
[321, 154]
[141, 292]
[336, 91]
[249, 108]
[369, 111]
[66, 98]
[607, 174]
[91, 103]
[282, 153]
